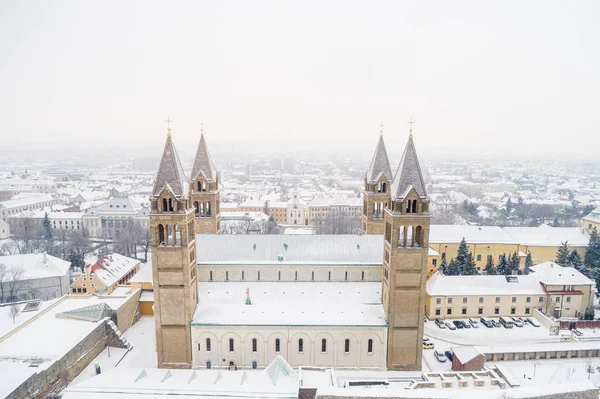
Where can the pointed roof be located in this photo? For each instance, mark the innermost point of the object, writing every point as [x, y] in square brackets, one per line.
[203, 162]
[278, 368]
[380, 163]
[93, 313]
[170, 172]
[408, 175]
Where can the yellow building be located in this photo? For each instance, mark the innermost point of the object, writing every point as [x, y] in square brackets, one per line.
[104, 276]
[276, 209]
[143, 280]
[592, 220]
[543, 242]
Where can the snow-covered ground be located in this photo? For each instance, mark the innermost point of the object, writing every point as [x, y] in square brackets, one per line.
[142, 338]
[6, 322]
[554, 371]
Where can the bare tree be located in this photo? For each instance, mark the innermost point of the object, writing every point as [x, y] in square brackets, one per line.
[338, 222]
[9, 248]
[589, 368]
[15, 282]
[3, 280]
[14, 312]
[144, 241]
[548, 305]
[78, 245]
[28, 235]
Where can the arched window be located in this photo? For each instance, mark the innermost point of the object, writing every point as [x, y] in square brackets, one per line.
[208, 208]
[409, 236]
[277, 345]
[203, 186]
[208, 344]
[419, 236]
[231, 347]
[201, 209]
[165, 206]
[170, 204]
[414, 206]
[370, 346]
[208, 364]
[177, 242]
[254, 345]
[347, 346]
[254, 365]
[161, 234]
[401, 237]
[408, 206]
[301, 345]
[384, 187]
[196, 207]
[199, 186]
[323, 345]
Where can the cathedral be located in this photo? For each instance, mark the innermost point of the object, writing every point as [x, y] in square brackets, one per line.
[343, 301]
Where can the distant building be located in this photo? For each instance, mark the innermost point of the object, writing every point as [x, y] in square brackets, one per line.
[321, 206]
[591, 220]
[295, 211]
[105, 275]
[65, 221]
[103, 220]
[44, 277]
[24, 204]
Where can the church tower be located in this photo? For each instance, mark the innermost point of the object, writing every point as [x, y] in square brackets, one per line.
[174, 269]
[376, 195]
[204, 191]
[406, 244]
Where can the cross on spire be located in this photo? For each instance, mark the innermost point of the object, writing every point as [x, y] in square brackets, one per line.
[168, 124]
[202, 128]
[381, 128]
[410, 123]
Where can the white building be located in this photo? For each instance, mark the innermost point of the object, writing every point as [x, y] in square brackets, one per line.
[116, 213]
[44, 277]
[68, 221]
[26, 203]
[295, 211]
[249, 324]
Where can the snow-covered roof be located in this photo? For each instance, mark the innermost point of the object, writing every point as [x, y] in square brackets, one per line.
[440, 285]
[290, 303]
[444, 233]
[301, 249]
[466, 353]
[115, 205]
[113, 268]
[548, 236]
[144, 275]
[550, 273]
[277, 380]
[37, 265]
[26, 201]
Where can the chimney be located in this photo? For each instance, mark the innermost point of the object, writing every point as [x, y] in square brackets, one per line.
[45, 259]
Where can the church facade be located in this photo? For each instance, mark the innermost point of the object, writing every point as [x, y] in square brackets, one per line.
[334, 301]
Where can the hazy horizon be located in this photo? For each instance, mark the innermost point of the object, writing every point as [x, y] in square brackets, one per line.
[477, 78]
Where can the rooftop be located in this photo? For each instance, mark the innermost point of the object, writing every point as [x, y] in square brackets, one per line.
[301, 249]
[37, 265]
[113, 267]
[548, 236]
[550, 273]
[443, 233]
[290, 304]
[440, 285]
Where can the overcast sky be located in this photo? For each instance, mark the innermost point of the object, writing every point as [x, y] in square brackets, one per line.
[479, 75]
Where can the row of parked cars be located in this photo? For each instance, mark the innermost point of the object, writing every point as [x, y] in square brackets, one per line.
[506, 322]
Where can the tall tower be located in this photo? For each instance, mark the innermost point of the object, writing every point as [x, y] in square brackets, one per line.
[204, 189]
[376, 195]
[174, 269]
[406, 244]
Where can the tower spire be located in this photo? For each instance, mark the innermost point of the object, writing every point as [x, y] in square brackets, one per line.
[168, 125]
[381, 129]
[201, 128]
[410, 124]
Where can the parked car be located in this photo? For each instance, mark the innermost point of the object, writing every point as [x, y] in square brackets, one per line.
[517, 321]
[440, 323]
[458, 324]
[449, 355]
[486, 322]
[532, 322]
[474, 323]
[439, 356]
[428, 345]
[496, 323]
[466, 324]
[451, 326]
[507, 322]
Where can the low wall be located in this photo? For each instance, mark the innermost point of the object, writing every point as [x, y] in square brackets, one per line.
[546, 322]
[58, 375]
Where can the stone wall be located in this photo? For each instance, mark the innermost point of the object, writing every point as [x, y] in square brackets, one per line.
[55, 378]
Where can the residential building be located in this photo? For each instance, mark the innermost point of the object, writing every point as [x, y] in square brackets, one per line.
[102, 221]
[105, 275]
[591, 220]
[43, 277]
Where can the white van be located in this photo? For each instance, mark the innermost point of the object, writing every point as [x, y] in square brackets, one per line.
[507, 322]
